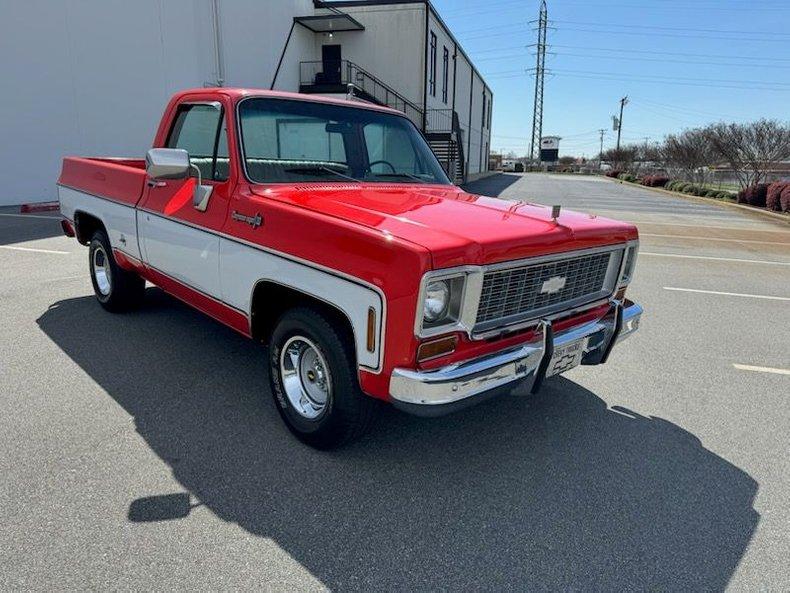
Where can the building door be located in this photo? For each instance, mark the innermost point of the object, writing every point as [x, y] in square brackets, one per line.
[330, 56]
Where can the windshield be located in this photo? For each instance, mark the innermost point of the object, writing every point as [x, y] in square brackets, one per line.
[303, 141]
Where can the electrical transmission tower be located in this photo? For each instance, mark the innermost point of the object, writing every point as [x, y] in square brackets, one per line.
[537, 114]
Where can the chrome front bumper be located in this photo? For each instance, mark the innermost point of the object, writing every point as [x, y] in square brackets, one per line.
[442, 390]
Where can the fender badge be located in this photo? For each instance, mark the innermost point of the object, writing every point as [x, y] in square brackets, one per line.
[555, 212]
[253, 221]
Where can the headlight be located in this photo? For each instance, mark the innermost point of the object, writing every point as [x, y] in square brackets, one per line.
[437, 301]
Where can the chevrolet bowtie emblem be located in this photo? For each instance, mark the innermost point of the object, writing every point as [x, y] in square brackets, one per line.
[553, 284]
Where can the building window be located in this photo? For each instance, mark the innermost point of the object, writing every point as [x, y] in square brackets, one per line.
[432, 76]
[445, 70]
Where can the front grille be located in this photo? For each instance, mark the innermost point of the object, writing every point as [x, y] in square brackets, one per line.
[515, 293]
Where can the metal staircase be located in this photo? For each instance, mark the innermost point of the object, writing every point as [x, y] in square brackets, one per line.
[441, 127]
[446, 139]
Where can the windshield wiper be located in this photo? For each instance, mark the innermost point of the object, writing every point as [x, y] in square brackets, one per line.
[407, 175]
[321, 169]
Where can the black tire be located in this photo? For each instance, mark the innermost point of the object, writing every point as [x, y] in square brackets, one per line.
[121, 290]
[348, 412]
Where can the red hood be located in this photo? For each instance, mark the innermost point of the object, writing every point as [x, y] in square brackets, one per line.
[456, 227]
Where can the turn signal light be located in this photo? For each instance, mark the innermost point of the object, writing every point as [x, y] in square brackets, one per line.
[436, 348]
[371, 341]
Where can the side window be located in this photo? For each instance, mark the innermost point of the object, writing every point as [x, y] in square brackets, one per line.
[201, 131]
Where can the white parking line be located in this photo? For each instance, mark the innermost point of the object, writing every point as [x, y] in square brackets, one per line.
[734, 294]
[732, 259]
[34, 250]
[715, 239]
[752, 226]
[30, 216]
[748, 367]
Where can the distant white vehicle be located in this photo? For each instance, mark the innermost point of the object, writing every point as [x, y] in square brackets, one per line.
[509, 166]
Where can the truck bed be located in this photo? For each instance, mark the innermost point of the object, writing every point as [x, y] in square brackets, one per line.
[107, 189]
[118, 179]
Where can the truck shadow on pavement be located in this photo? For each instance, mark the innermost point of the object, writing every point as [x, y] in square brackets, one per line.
[554, 491]
[21, 228]
[491, 186]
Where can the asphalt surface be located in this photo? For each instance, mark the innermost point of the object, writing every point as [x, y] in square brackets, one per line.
[142, 451]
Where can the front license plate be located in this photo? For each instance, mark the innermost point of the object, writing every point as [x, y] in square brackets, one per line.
[566, 357]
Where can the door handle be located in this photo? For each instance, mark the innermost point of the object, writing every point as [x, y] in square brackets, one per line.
[155, 183]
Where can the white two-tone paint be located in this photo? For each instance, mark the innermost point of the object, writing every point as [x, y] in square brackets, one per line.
[228, 269]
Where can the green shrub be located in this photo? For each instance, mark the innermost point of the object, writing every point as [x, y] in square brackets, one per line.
[710, 193]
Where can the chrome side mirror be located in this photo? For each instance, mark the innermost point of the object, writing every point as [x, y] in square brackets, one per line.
[167, 163]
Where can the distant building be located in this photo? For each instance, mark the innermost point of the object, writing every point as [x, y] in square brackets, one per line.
[92, 77]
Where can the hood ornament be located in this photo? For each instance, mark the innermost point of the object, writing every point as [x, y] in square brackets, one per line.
[555, 212]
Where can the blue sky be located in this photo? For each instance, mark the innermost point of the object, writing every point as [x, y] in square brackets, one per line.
[683, 63]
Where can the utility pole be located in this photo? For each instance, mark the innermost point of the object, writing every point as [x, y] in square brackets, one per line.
[600, 152]
[537, 113]
[623, 103]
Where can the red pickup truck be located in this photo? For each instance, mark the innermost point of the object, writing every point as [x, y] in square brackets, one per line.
[328, 230]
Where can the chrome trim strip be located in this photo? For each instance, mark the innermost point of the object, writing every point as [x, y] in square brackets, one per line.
[458, 381]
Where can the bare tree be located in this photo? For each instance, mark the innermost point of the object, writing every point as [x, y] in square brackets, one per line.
[623, 159]
[750, 149]
[690, 153]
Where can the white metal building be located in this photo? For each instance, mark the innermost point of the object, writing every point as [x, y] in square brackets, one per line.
[91, 77]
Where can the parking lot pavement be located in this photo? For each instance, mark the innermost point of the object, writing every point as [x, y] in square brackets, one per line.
[142, 450]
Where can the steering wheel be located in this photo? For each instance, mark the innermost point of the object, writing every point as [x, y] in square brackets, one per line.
[383, 162]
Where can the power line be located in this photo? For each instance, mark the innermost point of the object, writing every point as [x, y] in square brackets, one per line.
[708, 83]
[755, 39]
[663, 61]
[683, 109]
[683, 78]
[630, 50]
[671, 53]
[687, 29]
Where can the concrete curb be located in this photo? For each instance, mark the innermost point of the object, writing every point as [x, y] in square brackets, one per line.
[39, 207]
[750, 209]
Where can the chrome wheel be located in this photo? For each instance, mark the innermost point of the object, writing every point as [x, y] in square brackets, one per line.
[101, 270]
[305, 377]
